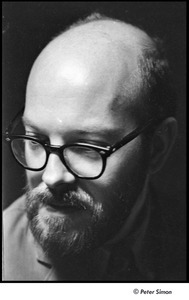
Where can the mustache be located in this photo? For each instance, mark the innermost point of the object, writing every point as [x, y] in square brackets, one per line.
[44, 196]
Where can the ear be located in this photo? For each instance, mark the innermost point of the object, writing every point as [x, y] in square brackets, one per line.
[162, 143]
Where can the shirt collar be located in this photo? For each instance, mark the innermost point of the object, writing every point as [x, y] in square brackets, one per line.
[39, 253]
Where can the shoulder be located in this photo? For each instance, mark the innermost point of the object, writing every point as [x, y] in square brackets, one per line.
[14, 220]
[15, 226]
[163, 240]
[17, 205]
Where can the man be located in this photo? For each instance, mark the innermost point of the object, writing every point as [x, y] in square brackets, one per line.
[98, 122]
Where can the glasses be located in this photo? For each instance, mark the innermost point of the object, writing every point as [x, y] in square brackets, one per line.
[83, 160]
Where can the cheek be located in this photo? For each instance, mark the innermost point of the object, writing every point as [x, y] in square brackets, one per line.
[125, 162]
[33, 178]
[123, 178]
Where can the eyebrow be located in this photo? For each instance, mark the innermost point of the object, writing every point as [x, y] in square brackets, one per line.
[27, 122]
[104, 132]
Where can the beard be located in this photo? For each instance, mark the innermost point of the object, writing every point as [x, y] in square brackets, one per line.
[62, 234]
[57, 234]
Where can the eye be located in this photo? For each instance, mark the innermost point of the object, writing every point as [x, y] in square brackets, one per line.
[33, 145]
[80, 152]
[87, 152]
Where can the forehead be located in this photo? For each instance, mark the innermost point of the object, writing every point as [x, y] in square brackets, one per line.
[82, 77]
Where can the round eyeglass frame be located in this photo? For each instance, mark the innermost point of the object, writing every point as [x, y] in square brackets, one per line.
[59, 150]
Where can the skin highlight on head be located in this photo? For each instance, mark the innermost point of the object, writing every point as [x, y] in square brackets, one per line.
[101, 49]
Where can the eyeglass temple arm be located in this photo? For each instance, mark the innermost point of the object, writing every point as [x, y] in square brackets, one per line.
[14, 122]
[130, 136]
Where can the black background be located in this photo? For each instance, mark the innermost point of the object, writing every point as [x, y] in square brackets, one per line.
[29, 26]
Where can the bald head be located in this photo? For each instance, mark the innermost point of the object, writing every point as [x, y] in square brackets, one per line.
[104, 49]
[101, 56]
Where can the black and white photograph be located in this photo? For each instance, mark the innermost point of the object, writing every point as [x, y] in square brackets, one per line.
[94, 142]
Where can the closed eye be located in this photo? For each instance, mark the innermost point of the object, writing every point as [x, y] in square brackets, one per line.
[34, 145]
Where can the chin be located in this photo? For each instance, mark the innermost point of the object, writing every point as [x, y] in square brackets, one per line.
[58, 242]
[65, 235]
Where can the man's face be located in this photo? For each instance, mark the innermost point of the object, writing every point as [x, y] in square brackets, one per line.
[71, 98]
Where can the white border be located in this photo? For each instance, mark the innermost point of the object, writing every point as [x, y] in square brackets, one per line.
[92, 291]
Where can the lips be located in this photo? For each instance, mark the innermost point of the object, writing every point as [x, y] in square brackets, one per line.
[67, 202]
[65, 207]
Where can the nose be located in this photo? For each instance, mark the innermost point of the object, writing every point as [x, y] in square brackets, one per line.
[56, 173]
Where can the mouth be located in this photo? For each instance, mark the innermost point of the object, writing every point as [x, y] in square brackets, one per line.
[65, 208]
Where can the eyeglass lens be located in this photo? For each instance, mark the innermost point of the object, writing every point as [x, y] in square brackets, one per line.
[82, 160]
